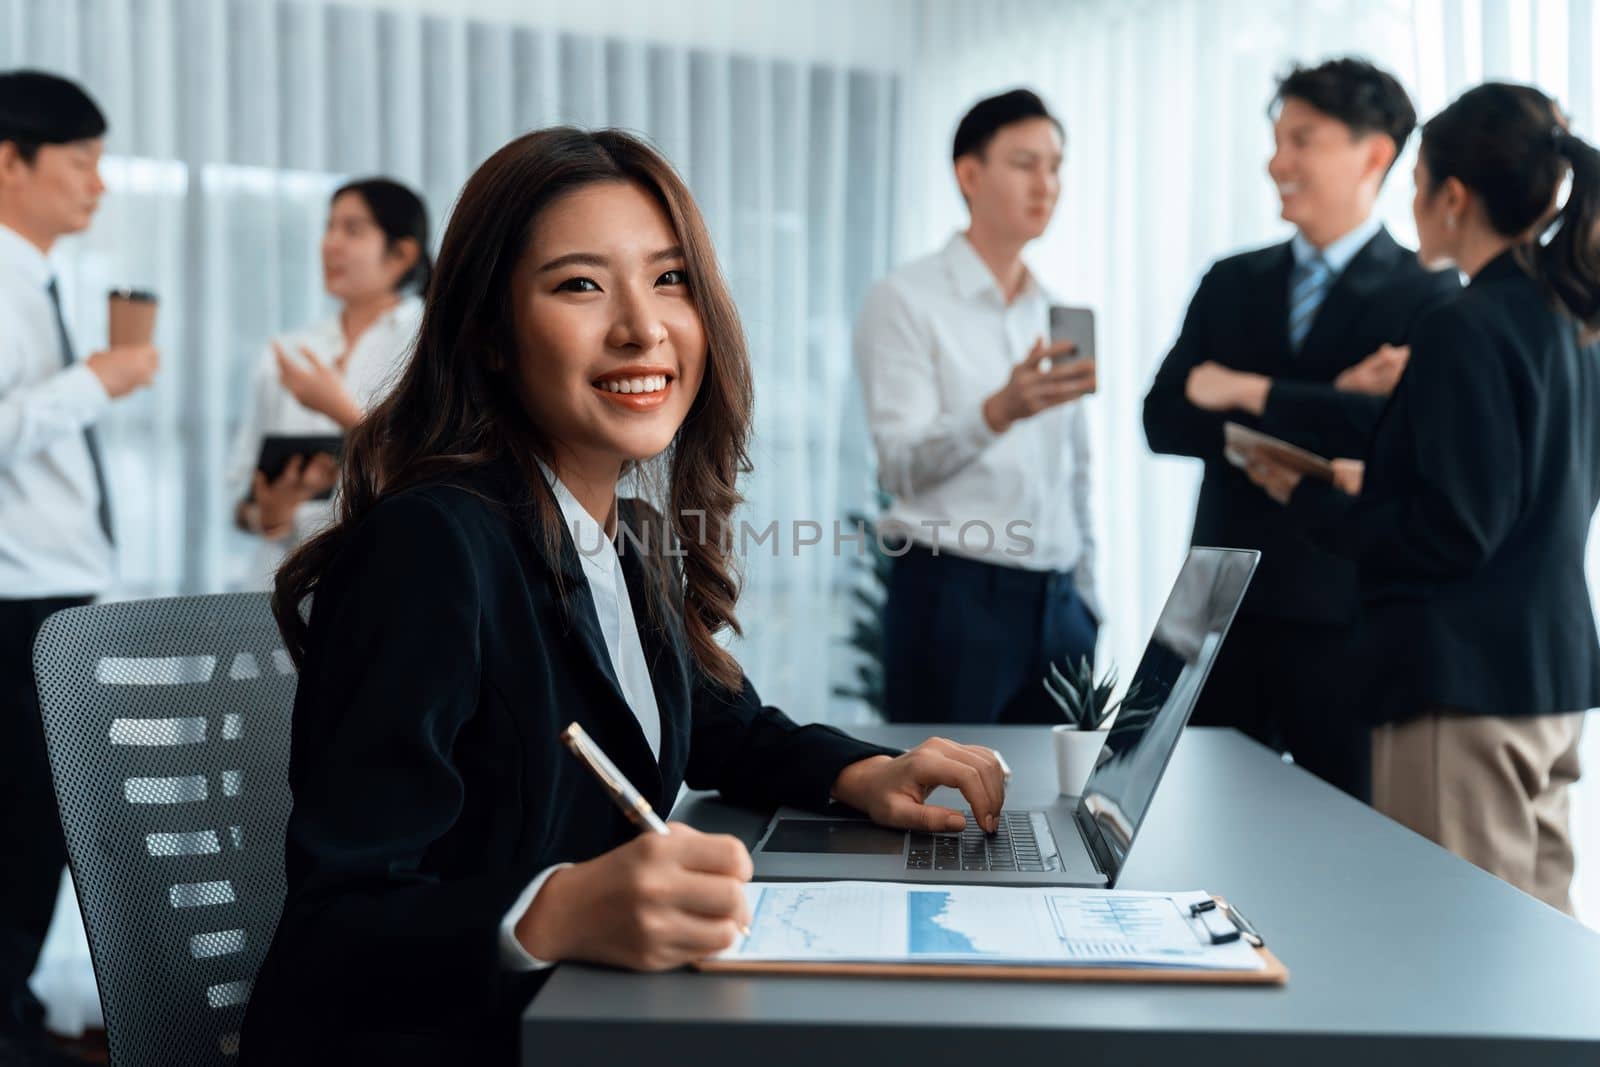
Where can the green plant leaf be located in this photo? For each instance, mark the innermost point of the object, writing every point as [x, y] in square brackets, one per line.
[1060, 701]
[1085, 703]
[1067, 694]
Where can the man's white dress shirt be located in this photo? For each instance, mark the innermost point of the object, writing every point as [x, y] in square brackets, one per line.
[933, 341]
[51, 541]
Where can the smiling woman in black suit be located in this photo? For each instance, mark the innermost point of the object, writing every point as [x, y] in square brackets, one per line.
[1477, 646]
[474, 598]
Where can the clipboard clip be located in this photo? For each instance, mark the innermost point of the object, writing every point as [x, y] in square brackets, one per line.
[1242, 927]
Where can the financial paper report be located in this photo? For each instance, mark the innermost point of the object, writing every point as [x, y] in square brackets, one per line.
[885, 922]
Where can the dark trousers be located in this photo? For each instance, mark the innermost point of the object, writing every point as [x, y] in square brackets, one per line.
[32, 849]
[1280, 682]
[967, 641]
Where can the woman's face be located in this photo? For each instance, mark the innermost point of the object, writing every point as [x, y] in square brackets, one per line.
[357, 260]
[610, 344]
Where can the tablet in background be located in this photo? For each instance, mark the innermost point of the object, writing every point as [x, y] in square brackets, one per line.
[278, 449]
[1239, 441]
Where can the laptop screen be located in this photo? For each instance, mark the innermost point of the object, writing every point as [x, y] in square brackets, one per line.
[1162, 693]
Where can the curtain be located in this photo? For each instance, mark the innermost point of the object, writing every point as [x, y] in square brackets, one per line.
[1165, 107]
[816, 137]
[231, 121]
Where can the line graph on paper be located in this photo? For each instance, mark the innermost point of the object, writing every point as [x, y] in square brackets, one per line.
[796, 922]
[1098, 927]
[781, 918]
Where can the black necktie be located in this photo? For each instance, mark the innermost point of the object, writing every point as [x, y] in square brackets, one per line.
[89, 438]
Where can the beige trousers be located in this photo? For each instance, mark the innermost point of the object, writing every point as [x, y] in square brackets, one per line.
[1491, 790]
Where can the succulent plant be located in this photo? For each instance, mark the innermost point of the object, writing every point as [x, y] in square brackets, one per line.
[1085, 703]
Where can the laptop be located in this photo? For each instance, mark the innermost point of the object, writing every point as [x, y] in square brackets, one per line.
[1070, 841]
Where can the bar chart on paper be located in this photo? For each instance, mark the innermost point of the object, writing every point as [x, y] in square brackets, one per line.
[886, 922]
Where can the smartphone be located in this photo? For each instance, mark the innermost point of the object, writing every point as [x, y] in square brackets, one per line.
[1075, 325]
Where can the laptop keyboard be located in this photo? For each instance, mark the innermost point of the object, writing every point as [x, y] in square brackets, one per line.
[1013, 847]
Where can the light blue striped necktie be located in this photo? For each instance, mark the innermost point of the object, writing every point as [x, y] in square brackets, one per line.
[1306, 290]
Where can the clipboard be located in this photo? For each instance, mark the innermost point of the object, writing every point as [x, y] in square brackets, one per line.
[1239, 440]
[1274, 973]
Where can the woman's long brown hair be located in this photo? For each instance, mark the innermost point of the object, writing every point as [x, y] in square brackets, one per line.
[457, 406]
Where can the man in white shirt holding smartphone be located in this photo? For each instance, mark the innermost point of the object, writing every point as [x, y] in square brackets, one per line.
[982, 445]
[56, 539]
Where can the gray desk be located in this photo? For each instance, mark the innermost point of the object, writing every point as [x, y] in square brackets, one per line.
[1398, 953]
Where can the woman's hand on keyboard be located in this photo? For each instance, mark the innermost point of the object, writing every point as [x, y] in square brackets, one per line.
[893, 791]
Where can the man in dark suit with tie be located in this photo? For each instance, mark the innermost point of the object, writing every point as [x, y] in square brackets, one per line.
[1302, 340]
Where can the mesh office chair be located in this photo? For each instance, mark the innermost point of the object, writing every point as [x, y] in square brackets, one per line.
[167, 723]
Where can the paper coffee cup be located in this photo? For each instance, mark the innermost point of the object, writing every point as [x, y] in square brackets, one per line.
[132, 317]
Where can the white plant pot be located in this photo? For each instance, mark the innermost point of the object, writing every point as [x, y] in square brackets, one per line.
[1077, 751]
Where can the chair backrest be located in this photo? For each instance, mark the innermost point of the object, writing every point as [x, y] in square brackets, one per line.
[168, 729]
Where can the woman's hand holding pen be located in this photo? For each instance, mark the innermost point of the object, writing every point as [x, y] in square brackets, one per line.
[656, 903]
[894, 791]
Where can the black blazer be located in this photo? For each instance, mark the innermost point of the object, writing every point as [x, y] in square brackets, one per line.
[1471, 525]
[430, 784]
[1239, 317]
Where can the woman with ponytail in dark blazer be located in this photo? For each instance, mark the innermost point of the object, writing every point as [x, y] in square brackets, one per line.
[1477, 648]
[475, 597]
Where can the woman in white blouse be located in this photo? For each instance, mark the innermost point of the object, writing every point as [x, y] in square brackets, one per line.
[319, 380]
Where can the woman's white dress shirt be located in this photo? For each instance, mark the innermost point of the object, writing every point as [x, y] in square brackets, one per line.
[373, 367]
[602, 571]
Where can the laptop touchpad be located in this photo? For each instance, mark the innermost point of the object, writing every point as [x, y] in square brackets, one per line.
[837, 836]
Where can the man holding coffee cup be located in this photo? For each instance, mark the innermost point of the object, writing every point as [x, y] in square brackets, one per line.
[56, 540]
[131, 318]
